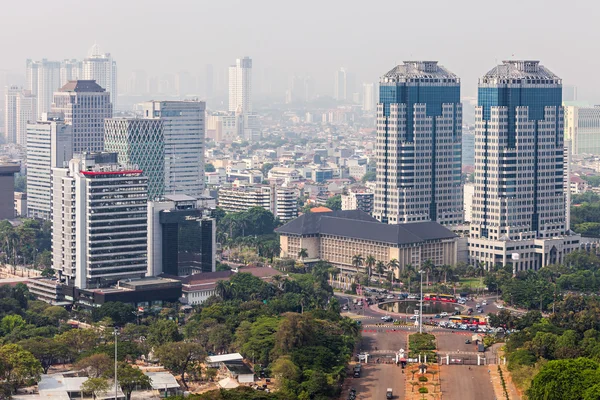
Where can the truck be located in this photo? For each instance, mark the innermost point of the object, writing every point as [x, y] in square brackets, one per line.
[389, 394]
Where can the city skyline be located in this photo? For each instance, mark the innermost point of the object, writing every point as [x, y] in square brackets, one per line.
[291, 51]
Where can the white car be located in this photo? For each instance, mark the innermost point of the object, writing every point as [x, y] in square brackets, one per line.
[389, 296]
[444, 314]
[386, 317]
[484, 303]
[499, 306]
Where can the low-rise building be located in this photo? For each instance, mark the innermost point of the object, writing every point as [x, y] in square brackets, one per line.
[281, 201]
[337, 236]
[358, 201]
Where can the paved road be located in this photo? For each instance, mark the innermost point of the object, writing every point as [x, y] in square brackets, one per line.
[460, 382]
[376, 378]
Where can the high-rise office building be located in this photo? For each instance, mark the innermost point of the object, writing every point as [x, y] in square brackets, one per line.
[183, 129]
[368, 100]
[518, 211]
[70, 70]
[43, 79]
[240, 86]
[139, 142]
[181, 237]
[85, 106]
[340, 89]
[99, 221]
[49, 145]
[101, 68]
[419, 129]
[20, 108]
[582, 128]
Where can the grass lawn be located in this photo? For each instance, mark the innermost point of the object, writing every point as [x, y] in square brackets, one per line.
[473, 283]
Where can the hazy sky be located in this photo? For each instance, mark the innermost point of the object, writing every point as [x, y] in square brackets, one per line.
[311, 37]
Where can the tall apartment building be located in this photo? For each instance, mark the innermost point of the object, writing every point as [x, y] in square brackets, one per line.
[20, 108]
[7, 189]
[582, 128]
[183, 130]
[368, 100]
[282, 202]
[101, 68]
[70, 70]
[43, 79]
[419, 130]
[340, 87]
[99, 221]
[240, 86]
[85, 105]
[518, 212]
[140, 142]
[49, 145]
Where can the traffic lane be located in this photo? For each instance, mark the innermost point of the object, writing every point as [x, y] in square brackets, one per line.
[451, 341]
[389, 341]
[374, 381]
[466, 383]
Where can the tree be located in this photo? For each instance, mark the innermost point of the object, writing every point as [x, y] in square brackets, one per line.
[302, 254]
[357, 261]
[393, 265]
[370, 262]
[369, 177]
[380, 267]
[130, 378]
[10, 323]
[284, 368]
[564, 379]
[334, 202]
[266, 168]
[18, 365]
[120, 313]
[180, 357]
[428, 268]
[208, 167]
[96, 365]
[163, 331]
[95, 385]
[47, 350]
[79, 340]
[56, 314]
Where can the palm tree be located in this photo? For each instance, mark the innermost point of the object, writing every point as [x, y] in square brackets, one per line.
[370, 262]
[380, 267]
[357, 261]
[393, 264]
[427, 267]
[409, 269]
[445, 269]
[303, 253]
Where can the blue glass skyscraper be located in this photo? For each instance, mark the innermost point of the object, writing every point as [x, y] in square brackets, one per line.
[419, 131]
[519, 200]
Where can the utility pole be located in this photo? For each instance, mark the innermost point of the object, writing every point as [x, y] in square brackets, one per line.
[116, 392]
[421, 305]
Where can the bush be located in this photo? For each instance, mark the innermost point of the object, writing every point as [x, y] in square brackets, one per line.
[423, 390]
[421, 342]
[423, 379]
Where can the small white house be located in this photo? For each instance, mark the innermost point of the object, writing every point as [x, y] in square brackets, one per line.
[217, 361]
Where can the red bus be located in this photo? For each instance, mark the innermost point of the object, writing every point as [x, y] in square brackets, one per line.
[473, 320]
[445, 298]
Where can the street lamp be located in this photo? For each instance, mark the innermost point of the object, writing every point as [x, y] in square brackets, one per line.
[421, 304]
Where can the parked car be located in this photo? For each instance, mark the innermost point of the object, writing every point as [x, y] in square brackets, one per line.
[467, 341]
[444, 314]
[484, 302]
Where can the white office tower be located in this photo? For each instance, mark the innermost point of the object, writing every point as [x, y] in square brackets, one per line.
[49, 145]
[43, 79]
[20, 109]
[340, 84]
[419, 132]
[519, 202]
[240, 86]
[99, 221]
[368, 100]
[101, 68]
[70, 70]
[85, 106]
[183, 124]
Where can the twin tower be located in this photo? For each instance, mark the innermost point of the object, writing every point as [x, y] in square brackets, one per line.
[519, 202]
